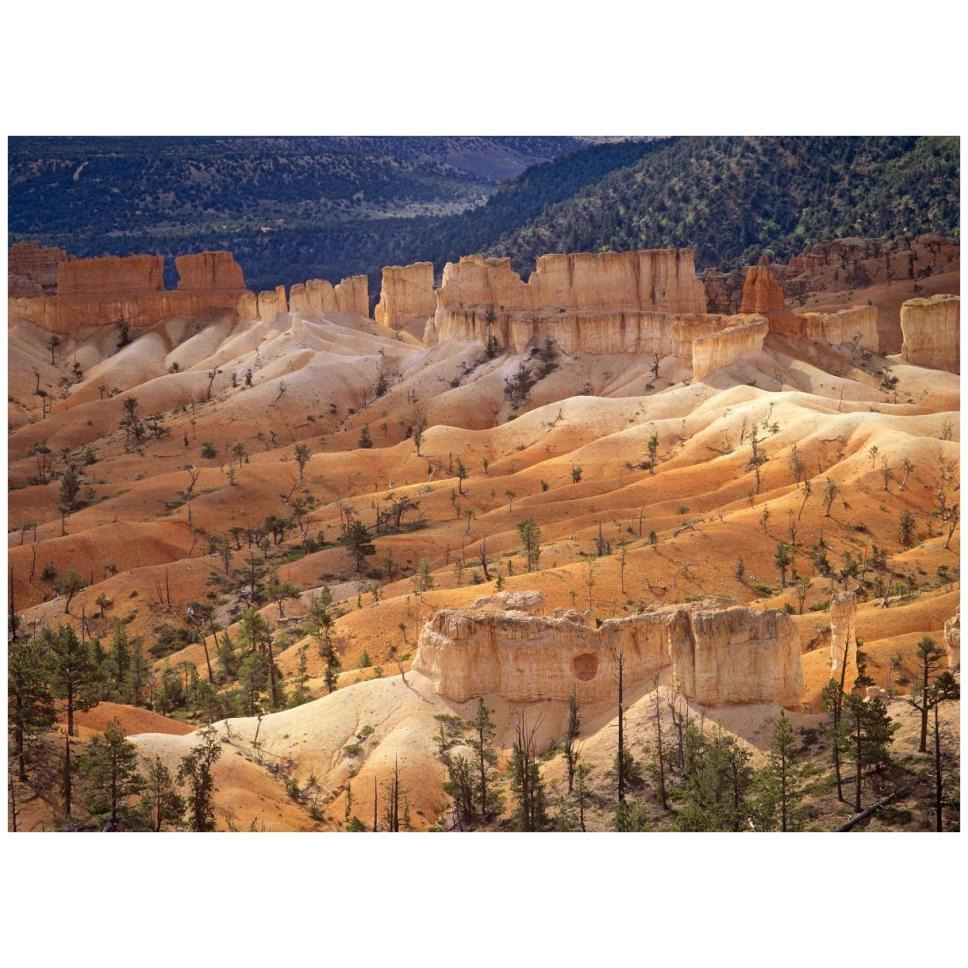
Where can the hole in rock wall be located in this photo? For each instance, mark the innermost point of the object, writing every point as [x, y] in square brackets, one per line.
[585, 666]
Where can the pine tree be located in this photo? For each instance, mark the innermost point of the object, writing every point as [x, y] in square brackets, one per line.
[781, 781]
[255, 636]
[930, 659]
[571, 739]
[485, 758]
[109, 767]
[527, 787]
[196, 770]
[718, 785]
[30, 706]
[530, 535]
[358, 543]
[119, 662]
[869, 732]
[631, 817]
[320, 624]
[72, 676]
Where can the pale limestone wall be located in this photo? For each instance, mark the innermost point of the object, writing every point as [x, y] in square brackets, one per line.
[406, 293]
[843, 637]
[745, 335]
[853, 326]
[717, 654]
[930, 329]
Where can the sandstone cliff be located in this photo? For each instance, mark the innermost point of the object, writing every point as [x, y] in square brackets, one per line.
[353, 295]
[849, 263]
[716, 654]
[406, 294]
[111, 274]
[930, 329]
[32, 269]
[952, 640]
[111, 290]
[744, 334]
[208, 271]
[658, 280]
[763, 295]
[843, 637]
[853, 326]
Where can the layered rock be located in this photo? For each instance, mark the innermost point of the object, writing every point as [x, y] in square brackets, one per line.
[850, 263]
[952, 640]
[32, 269]
[930, 330]
[317, 296]
[69, 314]
[763, 296]
[209, 271]
[853, 326]
[111, 274]
[406, 294]
[717, 654]
[735, 655]
[657, 280]
[843, 638]
[271, 304]
[112, 290]
[353, 296]
[744, 335]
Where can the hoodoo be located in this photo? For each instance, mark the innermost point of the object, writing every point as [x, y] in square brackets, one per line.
[715, 653]
[930, 328]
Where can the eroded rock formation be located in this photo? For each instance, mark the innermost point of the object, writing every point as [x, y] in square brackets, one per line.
[716, 654]
[853, 326]
[648, 303]
[763, 295]
[930, 328]
[843, 637]
[208, 271]
[851, 263]
[744, 335]
[111, 290]
[111, 274]
[32, 269]
[353, 295]
[406, 294]
[657, 280]
[952, 640]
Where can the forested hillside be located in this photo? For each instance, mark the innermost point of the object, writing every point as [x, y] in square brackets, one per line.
[293, 209]
[731, 198]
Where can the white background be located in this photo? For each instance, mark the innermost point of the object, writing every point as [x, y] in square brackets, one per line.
[482, 68]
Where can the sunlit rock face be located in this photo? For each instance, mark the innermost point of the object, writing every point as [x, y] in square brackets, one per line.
[930, 331]
[716, 654]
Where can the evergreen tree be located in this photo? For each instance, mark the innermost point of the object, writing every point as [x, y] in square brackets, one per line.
[109, 767]
[930, 659]
[30, 706]
[72, 676]
[530, 535]
[320, 624]
[869, 732]
[527, 787]
[300, 694]
[162, 802]
[571, 738]
[631, 817]
[718, 786]
[255, 637]
[196, 772]
[358, 543]
[485, 758]
[119, 663]
[781, 781]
